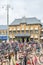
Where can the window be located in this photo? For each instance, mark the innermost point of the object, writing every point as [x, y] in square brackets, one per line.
[31, 31]
[31, 39]
[36, 39]
[18, 31]
[14, 32]
[41, 32]
[22, 31]
[36, 31]
[10, 32]
[27, 31]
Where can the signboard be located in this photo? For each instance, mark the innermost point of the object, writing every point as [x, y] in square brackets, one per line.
[3, 37]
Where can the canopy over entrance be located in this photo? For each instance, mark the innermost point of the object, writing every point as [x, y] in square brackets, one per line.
[23, 36]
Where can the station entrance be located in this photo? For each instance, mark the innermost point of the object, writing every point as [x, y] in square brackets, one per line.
[22, 37]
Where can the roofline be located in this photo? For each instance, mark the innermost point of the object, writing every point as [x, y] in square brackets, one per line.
[27, 24]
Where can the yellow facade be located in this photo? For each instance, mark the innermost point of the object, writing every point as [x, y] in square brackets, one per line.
[32, 26]
[33, 30]
[3, 32]
[41, 35]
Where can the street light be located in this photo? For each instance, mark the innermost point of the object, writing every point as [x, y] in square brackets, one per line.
[7, 8]
[7, 22]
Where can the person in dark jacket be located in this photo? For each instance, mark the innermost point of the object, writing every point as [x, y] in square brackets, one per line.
[25, 60]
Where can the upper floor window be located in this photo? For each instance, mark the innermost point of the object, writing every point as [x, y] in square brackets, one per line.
[22, 31]
[14, 32]
[36, 30]
[41, 32]
[18, 31]
[36, 39]
[27, 31]
[10, 32]
[31, 31]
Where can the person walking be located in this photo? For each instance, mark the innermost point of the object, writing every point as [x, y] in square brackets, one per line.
[25, 60]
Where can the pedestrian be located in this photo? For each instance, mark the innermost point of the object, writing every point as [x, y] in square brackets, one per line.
[25, 60]
[28, 62]
[17, 63]
[35, 60]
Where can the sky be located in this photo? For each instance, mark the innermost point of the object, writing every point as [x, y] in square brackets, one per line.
[20, 8]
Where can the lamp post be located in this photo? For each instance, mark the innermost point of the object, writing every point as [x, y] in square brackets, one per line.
[8, 6]
[8, 22]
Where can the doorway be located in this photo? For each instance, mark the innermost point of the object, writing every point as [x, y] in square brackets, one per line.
[27, 39]
[23, 39]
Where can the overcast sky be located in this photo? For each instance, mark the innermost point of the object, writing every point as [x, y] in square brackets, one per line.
[20, 8]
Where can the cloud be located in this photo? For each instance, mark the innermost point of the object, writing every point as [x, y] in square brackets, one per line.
[28, 8]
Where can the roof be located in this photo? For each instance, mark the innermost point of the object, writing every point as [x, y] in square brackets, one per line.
[22, 35]
[3, 27]
[32, 20]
